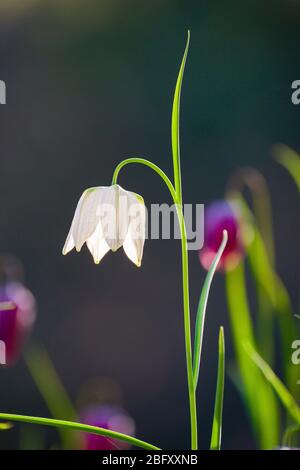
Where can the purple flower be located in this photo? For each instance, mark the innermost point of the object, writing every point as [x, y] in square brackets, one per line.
[220, 215]
[108, 417]
[17, 315]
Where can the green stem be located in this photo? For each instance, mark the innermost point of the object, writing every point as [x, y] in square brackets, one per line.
[216, 435]
[151, 165]
[187, 332]
[185, 286]
[78, 427]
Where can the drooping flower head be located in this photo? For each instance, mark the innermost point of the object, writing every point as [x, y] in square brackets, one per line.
[218, 216]
[17, 312]
[107, 417]
[107, 218]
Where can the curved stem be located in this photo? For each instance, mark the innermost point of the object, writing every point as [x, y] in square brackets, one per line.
[143, 161]
[78, 427]
[185, 286]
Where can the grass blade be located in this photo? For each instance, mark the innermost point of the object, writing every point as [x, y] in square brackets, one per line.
[200, 319]
[283, 393]
[175, 124]
[58, 423]
[216, 434]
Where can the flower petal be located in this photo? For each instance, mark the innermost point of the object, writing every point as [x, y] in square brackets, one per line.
[87, 216]
[69, 243]
[115, 216]
[135, 239]
[97, 245]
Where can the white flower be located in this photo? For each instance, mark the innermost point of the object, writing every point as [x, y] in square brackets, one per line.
[107, 218]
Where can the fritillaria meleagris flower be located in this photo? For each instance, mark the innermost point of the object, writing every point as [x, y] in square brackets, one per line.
[218, 216]
[107, 417]
[107, 218]
[17, 315]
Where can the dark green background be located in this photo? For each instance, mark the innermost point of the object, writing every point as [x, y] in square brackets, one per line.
[88, 84]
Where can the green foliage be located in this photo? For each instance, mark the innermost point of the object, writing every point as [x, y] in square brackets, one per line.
[283, 393]
[200, 319]
[175, 125]
[263, 410]
[216, 435]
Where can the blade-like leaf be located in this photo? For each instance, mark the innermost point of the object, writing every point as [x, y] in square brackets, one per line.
[200, 319]
[290, 159]
[62, 424]
[283, 393]
[216, 434]
[175, 124]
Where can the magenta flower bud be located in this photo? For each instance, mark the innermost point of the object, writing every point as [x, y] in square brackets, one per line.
[219, 216]
[17, 315]
[107, 417]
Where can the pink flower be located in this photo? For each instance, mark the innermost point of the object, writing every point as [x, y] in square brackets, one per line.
[17, 315]
[220, 215]
[108, 417]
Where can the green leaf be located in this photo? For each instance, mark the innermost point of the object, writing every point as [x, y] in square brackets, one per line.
[216, 434]
[200, 319]
[283, 393]
[62, 424]
[290, 159]
[175, 124]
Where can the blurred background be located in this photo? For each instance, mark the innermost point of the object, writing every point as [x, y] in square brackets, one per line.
[88, 84]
